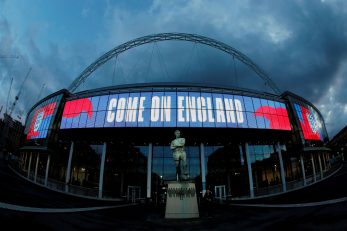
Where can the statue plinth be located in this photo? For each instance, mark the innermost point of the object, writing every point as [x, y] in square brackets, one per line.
[181, 200]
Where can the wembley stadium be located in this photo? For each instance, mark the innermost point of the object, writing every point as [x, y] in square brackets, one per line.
[114, 142]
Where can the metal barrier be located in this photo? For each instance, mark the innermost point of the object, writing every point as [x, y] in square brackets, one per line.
[93, 192]
[293, 185]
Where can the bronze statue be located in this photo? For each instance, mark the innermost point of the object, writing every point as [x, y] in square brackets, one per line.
[179, 156]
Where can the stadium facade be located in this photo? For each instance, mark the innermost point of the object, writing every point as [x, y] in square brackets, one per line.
[114, 142]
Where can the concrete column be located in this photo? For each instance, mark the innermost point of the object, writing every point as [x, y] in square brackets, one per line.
[24, 157]
[149, 170]
[241, 155]
[47, 168]
[20, 160]
[224, 194]
[68, 170]
[31, 154]
[102, 168]
[303, 169]
[320, 166]
[229, 183]
[250, 176]
[121, 183]
[324, 162]
[203, 169]
[327, 156]
[314, 169]
[283, 177]
[37, 164]
[25, 161]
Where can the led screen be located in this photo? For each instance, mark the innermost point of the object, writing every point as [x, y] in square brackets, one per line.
[175, 109]
[40, 119]
[311, 123]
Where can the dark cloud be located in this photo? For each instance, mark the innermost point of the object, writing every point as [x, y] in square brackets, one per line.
[301, 45]
[55, 67]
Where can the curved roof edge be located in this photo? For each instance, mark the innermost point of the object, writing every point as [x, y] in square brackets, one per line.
[61, 91]
[188, 86]
[297, 97]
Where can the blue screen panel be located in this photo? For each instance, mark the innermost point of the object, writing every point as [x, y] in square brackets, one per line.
[100, 119]
[193, 112]
[248, 104]
[173, 109]
[182, 109]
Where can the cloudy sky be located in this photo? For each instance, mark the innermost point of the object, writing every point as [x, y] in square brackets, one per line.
[301, 45]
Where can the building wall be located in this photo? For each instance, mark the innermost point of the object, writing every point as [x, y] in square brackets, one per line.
[256, 156]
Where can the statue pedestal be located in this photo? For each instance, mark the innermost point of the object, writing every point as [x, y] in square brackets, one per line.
[181, 200]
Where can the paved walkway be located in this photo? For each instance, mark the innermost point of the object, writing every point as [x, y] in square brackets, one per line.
[15, 190]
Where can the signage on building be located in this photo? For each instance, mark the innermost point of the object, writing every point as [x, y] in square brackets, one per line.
[175, 109]
[40, 119]
[181, 192]
[311, 123]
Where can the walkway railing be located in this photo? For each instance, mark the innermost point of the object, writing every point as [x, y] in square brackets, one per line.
[59, 186]
[93, 192]
[292, 185]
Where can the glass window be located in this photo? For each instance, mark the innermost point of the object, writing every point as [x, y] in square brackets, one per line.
[284, 112]
[95, 102]
[78, 106]
[85, 167]
[173, 101]
[230, 111]
[218, 110]
[193, 113]
[182, 110]
[257, 105]
[210, 120]
[275, 124]
[271, 104]
[75, 121]
[252, 122]
[248, 104]
[68, 123]
[260, 122]
[83, 120]
[103, 102]
[226, 168]
[265, 106]
[125, 167]
[241, 117]
[132, 110]
[99, 119]
[170, 110]
[157, 112]
[265, 170]
[63, 123]
[120, 115]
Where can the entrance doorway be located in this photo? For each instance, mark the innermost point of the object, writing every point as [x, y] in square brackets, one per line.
[219, 192]
[134, 193]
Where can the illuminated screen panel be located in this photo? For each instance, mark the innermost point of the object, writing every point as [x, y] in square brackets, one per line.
[41, 118]
[175, 109]
[311, 123]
